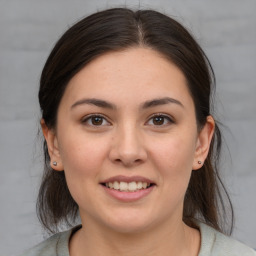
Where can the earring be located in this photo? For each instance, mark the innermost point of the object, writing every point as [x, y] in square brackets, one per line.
[199, 162]
[54, 163]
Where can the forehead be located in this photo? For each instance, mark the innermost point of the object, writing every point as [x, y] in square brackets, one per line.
[135, 73]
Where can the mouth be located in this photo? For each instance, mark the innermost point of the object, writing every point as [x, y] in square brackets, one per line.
[128, 189]
[132, 186]
[128, 184]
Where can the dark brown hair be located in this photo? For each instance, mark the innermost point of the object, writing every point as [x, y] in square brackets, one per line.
[115, 30]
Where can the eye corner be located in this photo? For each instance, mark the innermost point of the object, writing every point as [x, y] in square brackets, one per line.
[100, 121]
[165, 120]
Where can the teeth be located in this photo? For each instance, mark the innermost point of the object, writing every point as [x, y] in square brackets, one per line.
[116, 185]
[132, 186]
[123, 186]
[127, 186]
[139, 185]
[144, 184]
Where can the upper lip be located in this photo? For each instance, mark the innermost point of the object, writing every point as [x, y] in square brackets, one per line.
[127, 179]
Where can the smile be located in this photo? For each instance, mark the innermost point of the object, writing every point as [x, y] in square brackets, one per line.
[127, 186]
[128, 189]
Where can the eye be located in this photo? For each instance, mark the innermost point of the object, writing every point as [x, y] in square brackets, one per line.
[160, 120]
[95, 120]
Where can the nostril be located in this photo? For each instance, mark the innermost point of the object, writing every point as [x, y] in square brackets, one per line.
[128, 152]
[128, 162]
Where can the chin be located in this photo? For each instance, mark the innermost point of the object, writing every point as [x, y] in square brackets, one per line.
[129, 228]
[130, 223]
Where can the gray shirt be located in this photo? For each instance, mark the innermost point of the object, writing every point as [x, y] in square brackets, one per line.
[213, 243]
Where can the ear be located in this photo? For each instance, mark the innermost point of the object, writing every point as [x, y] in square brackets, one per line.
[53, 147]
[203, 143]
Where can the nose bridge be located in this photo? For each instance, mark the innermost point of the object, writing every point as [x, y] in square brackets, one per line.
[128, 146]
[129, 138]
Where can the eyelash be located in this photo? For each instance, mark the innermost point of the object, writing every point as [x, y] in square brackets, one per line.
[87, 118]
[166, 117]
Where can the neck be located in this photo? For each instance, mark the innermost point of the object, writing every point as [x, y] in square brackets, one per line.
[168, 240]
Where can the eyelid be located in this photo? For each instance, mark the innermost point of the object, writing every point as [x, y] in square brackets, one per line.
[87, 117]
[166, 116]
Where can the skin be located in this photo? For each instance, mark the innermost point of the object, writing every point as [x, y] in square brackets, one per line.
[129, 141]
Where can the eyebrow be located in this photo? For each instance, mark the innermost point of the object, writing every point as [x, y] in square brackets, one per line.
[145, 105]
[160, 101]
[96, 102]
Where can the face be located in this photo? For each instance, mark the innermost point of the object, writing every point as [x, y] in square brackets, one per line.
[127, 139]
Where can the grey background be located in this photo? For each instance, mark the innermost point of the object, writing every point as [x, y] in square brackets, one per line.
[226, 29]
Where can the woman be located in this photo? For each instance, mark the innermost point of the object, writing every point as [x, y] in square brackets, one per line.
[130, 141]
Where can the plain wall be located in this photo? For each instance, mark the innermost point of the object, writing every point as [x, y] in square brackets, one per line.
[28, 29]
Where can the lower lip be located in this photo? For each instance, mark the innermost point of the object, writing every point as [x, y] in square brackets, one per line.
[128, 196]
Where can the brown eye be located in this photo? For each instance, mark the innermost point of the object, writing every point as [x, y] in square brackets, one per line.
[95, 120]
[160, 120]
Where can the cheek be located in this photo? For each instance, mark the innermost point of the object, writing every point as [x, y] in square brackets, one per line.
[81, 154]
[82, 161]
[173, 158]
[176, 152]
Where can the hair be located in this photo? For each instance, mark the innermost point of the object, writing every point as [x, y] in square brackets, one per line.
[116, 30]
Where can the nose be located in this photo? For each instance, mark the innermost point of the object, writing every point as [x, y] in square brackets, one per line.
[128, 147]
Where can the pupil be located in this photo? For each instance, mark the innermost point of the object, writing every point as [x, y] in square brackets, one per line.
[158, 120]
[97, 120]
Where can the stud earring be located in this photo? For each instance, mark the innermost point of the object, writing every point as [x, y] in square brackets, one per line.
[54, 163]
[199, 162]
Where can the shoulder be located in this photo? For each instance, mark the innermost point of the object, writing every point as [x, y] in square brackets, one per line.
[54, 245]
[215, 243]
